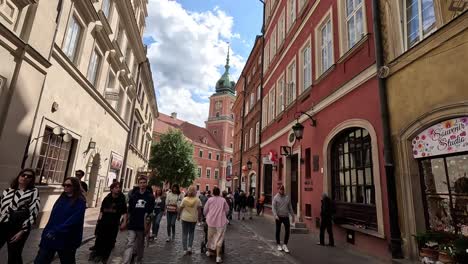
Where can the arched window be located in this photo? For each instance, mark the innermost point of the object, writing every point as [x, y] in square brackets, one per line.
[352, 178]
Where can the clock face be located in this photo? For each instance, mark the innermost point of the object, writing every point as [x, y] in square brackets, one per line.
[218, 105]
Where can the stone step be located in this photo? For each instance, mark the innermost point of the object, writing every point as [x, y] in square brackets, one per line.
[300, 225]
[295, 230]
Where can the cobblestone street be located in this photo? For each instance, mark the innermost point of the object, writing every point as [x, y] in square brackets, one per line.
[247, 241]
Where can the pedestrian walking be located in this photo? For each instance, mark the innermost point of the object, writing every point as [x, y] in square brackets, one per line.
[326, 215]
[250, 204]
[216, 209]
[230, 203]
[236, 199]
[189, 213]
[113, 207]
[282, 209]
[203, 200]
[19, 206]
[173, 200]
[261, 204]
[241, 205]
[64, 230]
[159, 211]
[140, 207]
[80, 174]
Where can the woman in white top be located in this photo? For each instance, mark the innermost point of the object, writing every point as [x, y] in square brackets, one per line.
[173, 200]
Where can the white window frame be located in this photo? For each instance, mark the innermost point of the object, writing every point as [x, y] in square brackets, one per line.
[246, 141]
[200, 171]
[216, 174]
[266, 51]
[94, 67]
[210, 155]
[252, 100]
[280, 92]
[259, 92]
[107, 8]
[208, 173]
[251, 137]
[265, 111]
[273, 44]
[305, 64]
[343, 26]
[271, 105]
[320, 66]
[301, 4]
[257, 132]
[421, 34]
[291, 13]
[291, 83]
[246, 108]
[73, 55]
[200, 153]
[281, 29]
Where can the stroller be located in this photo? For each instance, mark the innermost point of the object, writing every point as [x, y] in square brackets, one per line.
[203, 244]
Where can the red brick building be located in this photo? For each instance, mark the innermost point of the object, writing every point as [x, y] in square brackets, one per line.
[247, 125]
[212, 146]
[319, 58]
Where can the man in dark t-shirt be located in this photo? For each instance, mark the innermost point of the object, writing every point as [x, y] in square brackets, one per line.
[80, 174]
[140, 207]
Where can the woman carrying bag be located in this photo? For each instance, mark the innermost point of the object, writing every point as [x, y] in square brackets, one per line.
[19, 206]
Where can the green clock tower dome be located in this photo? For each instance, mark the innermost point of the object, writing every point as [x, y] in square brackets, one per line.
[224, 84]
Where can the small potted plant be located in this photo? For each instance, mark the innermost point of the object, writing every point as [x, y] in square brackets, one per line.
[447, 253]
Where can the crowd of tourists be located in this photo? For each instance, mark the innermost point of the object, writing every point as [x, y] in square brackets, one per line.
[139, 213]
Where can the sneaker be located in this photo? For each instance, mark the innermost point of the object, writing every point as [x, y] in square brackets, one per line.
[208, 253]
[219, 260]
[285, 248]
[168, 239]
[189, 251]
[185, 252]
[279, 247]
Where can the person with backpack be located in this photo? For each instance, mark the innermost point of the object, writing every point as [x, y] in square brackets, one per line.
[326, 214]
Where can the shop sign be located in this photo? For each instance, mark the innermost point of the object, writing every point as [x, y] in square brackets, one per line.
[448, 137]
[117, 162]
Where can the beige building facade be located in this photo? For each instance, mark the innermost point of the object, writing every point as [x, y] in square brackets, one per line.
[426, 58]
[71, 87]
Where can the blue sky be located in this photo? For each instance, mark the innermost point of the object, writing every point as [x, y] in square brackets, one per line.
[187, 46]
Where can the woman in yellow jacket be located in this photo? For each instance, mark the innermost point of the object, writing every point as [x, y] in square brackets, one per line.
[190, 213]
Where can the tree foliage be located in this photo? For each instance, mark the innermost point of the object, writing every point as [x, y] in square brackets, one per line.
[172, 159]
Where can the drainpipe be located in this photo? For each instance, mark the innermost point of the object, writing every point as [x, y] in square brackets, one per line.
[130, 131]
[395, 233]
[259, 160]
[242, 130]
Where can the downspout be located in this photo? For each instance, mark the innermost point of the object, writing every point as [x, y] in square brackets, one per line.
[130, 131]
[259, 158]
[395, 233]
[242, 131]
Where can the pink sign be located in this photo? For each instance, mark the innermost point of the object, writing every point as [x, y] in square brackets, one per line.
[450, 136]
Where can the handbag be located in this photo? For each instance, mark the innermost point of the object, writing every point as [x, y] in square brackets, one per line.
[17, 217]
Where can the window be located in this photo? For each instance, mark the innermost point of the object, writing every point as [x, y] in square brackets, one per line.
[246, 141]
[106, 4]
[273, 44]
[325, 52]
[354, 21]
[451, 198]
[306, 72]
[259, 93]
[199, 171]
[246, 110]
[280, 96]
[111, 80]
[252, 100]
[308, 164]
[353, 181]
[271, 111]
[217, 156]
[54, 158]
[281, 29]
[209, 155]
[291, 84]
[216, 175]
[251, 137]
[301, 4]
[200, 153]
[93, 68]
[198, 187]
[257, 132]
[72, 39]
[265, 111]
[208, 173]
[207, 187]
[419, 20]
[291, 13]
[266, 61]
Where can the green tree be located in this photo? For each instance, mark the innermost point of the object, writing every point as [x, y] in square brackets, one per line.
[172, 159]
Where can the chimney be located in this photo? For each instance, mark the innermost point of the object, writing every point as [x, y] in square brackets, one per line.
[174, 115]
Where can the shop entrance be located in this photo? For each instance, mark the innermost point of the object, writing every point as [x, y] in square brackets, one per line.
[444, 183]
[267, 183]
[294, 182]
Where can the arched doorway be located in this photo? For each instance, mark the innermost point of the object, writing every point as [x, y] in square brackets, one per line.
[253, 183]
[93, 165]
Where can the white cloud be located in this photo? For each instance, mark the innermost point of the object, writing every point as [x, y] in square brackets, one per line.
[188, 56]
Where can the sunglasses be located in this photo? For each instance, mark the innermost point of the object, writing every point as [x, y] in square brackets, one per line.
[28, 176]
[67, 185]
